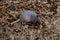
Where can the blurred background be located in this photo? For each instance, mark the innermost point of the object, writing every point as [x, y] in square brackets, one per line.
[49, 11]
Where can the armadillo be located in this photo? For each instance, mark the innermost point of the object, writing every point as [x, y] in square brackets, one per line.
[28, 16]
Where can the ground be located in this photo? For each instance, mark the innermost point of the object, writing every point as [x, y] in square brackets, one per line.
[49, 11]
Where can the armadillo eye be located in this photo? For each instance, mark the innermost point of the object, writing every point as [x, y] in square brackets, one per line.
[38, 15]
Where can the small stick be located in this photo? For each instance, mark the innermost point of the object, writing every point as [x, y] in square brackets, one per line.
[15, 21]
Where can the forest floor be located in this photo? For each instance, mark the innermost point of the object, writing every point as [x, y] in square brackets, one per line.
[49, 11]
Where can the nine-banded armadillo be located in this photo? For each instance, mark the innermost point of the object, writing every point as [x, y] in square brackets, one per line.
[28, 16]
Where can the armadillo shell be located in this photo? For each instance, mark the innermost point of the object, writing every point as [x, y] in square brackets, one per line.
[28, 16]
